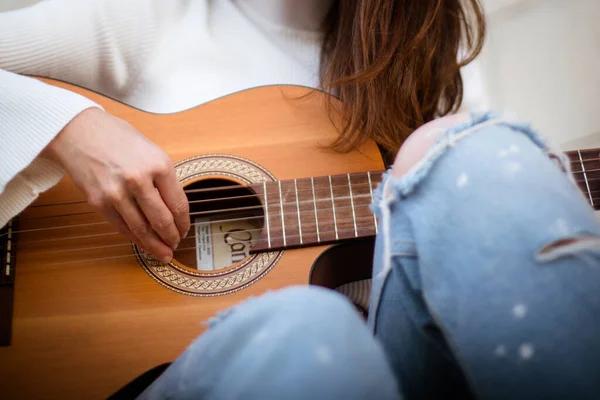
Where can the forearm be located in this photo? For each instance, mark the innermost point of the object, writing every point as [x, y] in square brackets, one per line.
[31, 115]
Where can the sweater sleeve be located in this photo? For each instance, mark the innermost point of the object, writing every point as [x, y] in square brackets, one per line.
[31, 115]
[98, 44]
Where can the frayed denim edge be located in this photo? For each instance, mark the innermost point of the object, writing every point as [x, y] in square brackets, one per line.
[402, 187]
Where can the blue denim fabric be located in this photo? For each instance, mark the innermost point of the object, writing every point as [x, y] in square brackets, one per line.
[469, 297]
[479, 291]
[296, 343]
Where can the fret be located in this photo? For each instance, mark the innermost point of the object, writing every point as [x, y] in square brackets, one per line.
[587, 184]
[276, 217]
[267, 214]
[371, 192]
[333, 208]
[343, 207]
[361, 194]
[298, 210]
[352, 204]
[281, 212]
[304, 210]
[312, 182]
[324, 207]
[291, 220]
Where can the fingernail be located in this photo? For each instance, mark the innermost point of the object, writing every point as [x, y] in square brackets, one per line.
[173, 247]
[166, 259]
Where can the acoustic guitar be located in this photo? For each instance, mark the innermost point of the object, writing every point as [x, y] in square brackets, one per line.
[83, 311]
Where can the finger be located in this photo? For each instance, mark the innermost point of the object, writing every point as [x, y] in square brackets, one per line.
[174, 197]
[113, 217]
[142, 231]
[158, 214]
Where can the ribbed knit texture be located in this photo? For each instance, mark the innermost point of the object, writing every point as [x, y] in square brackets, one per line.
[160, 56]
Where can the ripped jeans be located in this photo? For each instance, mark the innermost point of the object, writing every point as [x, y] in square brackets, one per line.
[486, 285]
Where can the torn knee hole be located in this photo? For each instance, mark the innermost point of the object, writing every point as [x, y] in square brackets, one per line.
[421, 140]
[568, 242]
[569, 246]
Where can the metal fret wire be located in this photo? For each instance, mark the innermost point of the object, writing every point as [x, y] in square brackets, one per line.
[333, 207]
[315, 203]
[352, 203]
[281, 212]
[298, 208]
[585, 177]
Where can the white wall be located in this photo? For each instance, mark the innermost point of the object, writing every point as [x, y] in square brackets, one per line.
[542, 61]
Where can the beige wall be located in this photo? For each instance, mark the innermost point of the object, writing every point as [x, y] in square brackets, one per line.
[542, 61]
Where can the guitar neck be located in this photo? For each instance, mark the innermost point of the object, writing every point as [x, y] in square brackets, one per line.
[328, 209]
[317, 210]
[585, 165]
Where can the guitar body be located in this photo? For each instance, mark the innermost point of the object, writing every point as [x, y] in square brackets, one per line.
[83, 329]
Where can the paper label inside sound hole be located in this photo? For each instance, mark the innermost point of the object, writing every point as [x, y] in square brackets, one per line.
[220, 244]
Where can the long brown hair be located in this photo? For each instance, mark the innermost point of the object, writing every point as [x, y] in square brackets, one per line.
[395, 64]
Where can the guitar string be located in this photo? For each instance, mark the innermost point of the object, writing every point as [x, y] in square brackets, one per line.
[295, 213]
[260, 196]
[187, 248]
[257, 207]
[245, 196]
[219, 188]
[95, 212]
[586, 171]
[122, 244]
[292, 214]
[182, 249]
[210, 211]
[576, 160]
[194, 247]
[53, 239]
[232, 187]
[342, 229]
[232, 209]
[587, 180]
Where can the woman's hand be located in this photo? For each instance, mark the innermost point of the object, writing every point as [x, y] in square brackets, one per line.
[129, 179]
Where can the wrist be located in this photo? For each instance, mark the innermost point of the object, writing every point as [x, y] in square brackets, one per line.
[55, 150]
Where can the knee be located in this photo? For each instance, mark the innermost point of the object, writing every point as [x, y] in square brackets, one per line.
[419, 142]
[321, 314]
[286, 310]
[311, 302]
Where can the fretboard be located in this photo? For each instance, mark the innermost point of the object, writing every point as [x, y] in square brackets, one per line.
[585, 165]
[328, 209]
[319, 210]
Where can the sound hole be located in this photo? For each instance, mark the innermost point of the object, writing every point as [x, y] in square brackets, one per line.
[226, 220]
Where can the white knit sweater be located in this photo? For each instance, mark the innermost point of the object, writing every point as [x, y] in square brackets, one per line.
[157, 55]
